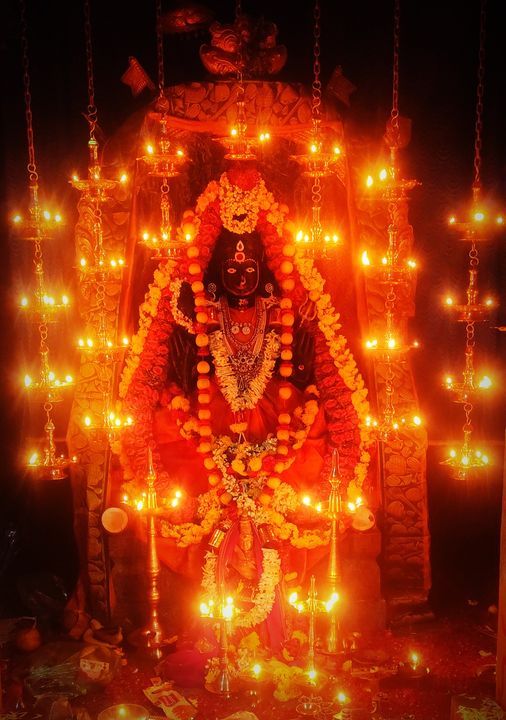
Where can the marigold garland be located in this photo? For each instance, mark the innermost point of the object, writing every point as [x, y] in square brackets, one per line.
[343, 395]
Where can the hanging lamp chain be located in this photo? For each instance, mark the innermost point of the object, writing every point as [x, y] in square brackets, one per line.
[159, 48]
[317, 85]
[238, 9]
[394, 113]
[31, 167]
[478, 129]
[91, 111]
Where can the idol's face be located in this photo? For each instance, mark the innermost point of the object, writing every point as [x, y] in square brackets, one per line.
[240, 279]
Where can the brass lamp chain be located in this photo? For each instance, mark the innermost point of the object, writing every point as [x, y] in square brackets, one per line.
[479, 100]
[91, 111]
[238, 9]
[159, 48]
[317, 85]
[31, 167]
[394, 113]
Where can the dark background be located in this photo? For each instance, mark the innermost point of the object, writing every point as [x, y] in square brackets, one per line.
[438, 71]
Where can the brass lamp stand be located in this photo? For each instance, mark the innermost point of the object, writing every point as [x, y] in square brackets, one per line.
[334, 643]
[152, 638]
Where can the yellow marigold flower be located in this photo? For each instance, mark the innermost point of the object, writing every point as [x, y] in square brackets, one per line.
[238, 466]
[255, 464]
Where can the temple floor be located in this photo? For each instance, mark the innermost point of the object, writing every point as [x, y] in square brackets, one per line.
[458, 652]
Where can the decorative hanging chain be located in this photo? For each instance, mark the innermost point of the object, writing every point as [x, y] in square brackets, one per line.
[479, 100]
[317, 85]
[238, 9]
[31, 167]
[159, 48]
[394, 113]
[91, 113]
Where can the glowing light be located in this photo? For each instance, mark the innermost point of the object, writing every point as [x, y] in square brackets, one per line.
[87, 421]
[365, 258]
[479, 216]
[174, 502]
[204, 608]
[449, 380]
[82, 262]
[24, 302]
[371, 344]
[391, 343]
[58, 218]
[453, 453]
[69, 378]
[293, 598]
[384, 260]
[150, 149]
[125, 341]
[121, 262]
[342, 698]
[484, 459]
[485, 382]
[17, 219]
[416, 343]
[352, 507]
[140, 505]
[188, 237]
[464, 460]
[125, 498]
[334, 598]
[318, 507]
[313, 147]
[228, 612]
[89, 342]
[499, 220]
[299, 236]
[256, 669]
[27, 380]
[234, 132]
[80, 342]
[65, 299]
[33, 459]
[145, 236]
[449, 300]
[369, 181]
[75, 177]
[179, 152]
[383, 174]
[489, 302]
[178, 494]
[312, 674]
[123, 178]
[47, 215]
[414, 659]
[411, 264]
[337, 150]
[417, 420]
[306, 500]
[452, 220]
[264, 137]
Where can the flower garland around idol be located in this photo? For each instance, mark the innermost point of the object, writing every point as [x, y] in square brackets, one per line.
[142, 383]
[249, 195]
[262, 600]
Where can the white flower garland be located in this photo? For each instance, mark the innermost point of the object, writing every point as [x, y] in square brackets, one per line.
[263, 599]
[236, 202]
[226, 376]
[178, 315]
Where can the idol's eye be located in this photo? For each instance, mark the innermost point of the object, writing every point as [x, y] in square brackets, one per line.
[231, 270]
[250, 269]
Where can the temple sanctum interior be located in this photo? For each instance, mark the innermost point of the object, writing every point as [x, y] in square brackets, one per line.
[253, 408]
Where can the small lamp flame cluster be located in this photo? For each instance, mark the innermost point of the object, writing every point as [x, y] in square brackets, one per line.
[477, 227]
[97, 346]
[41, 307]
[321, 160]
[163, 161]
[395, 271]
